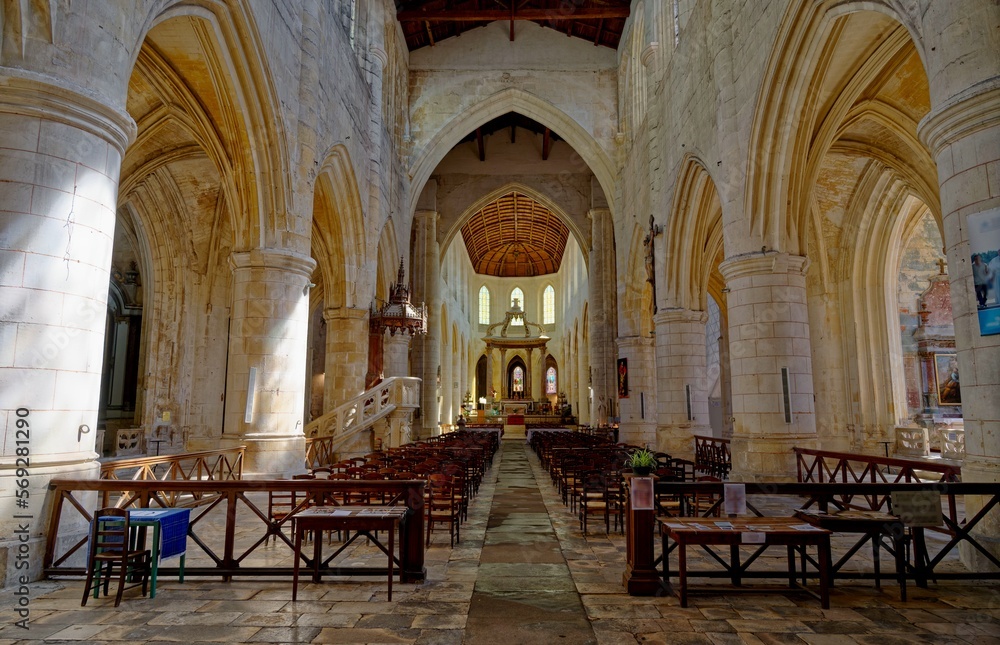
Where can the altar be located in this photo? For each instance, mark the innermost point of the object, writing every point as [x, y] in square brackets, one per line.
[519, 407]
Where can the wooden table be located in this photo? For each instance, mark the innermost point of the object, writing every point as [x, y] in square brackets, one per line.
[873, 525]
[760, 532]
[357, 520]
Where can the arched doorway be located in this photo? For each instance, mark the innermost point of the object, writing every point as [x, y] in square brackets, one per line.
[517, 379]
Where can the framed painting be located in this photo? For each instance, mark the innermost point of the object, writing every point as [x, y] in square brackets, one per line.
[622, 378]
[946, 374]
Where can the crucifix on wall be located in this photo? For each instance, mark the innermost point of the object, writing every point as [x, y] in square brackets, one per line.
[648, 243]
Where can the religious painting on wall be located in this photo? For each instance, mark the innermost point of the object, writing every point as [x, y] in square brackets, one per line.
[984, 242]
[948, 387]
[622, 378]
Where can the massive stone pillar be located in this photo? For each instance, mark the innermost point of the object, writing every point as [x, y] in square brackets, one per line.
[60, 157]
[603, 306]
[428, 257]
[396, 354]
[681, 380]
[447, 376]
[267, 359]
[638, 410]
[771, 365]
[962, 132]
[346, 355]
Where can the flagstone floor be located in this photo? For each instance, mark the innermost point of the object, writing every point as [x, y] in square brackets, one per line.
[522, 574]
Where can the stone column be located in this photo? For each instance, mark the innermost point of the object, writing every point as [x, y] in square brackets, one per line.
[447, 376]
[346, 355]
[489, 371]
[60, 157]
[503, 373]
[267, 344]
[529, 383]
[962, 132]
[681, 380]
[769, 333]
[602, 310]
[584, 410]
[638, 410]
[726, 379]
[429, 258]
[396, 352]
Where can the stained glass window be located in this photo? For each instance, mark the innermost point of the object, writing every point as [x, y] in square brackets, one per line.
[518, 379]
[550, 380]
[484, 306]
[549, 306]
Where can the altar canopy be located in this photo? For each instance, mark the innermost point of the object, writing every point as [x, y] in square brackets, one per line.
[524, 336]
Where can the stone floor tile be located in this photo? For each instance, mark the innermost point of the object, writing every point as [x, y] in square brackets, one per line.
[327, 620]
[770, 626]
[195, 618]
[285, 619]
[77, 633]
[366, 636]
[285, 635]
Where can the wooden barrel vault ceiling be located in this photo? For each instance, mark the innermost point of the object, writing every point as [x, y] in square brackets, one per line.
[514, 236]
[426, 22]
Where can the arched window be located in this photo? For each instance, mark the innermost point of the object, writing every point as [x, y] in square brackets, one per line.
[517, 298]
[484, 306]
[549, 306]
[550, 380]
[518, 379]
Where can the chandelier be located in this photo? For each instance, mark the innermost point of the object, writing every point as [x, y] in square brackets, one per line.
[398, 314]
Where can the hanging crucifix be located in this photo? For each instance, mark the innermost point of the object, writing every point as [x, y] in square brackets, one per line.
[648, 243]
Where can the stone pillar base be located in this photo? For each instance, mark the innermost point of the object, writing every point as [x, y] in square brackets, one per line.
[270, 456]
[678, 440]
[639, 434]
[767, 459]
[14, 547]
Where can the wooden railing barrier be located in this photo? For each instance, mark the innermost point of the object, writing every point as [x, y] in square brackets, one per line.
[822, 466]
[207, 465]
[229, 500]
[831, 496]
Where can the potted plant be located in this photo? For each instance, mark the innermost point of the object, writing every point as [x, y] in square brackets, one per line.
[642, 462]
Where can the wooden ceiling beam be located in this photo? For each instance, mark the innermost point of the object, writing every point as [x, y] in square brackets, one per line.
[597, 39]
[546, 144]
[479, 142]
[490, 15]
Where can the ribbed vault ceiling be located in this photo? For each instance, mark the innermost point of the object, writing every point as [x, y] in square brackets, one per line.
[515, 236]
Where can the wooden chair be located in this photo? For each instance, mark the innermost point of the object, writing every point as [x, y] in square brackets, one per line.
[111, 553]
[702, 502]
[442, 507]
[593, 499]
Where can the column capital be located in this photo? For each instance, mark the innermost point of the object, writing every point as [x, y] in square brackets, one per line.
[281, 259]
[962, 115]
[768, 262]
[31, 94]
[679, 314]
[344, 313]
[421, 213]
[594, 213]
